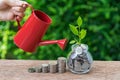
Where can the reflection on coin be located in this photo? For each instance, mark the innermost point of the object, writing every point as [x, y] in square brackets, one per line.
[78, 50]
[73, 56]
[84, 47]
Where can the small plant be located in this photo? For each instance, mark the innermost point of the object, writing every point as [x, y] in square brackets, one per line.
[79, 33]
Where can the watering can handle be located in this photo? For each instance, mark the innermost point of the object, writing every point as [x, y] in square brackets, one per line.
[18, 22]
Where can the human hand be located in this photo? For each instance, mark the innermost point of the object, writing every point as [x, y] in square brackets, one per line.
[12, 9]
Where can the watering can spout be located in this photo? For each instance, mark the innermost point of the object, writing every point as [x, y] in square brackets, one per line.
[61, 43]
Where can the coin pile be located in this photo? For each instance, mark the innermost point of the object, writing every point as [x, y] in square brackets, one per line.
[38, 69]
[31, 70]
[45, 68]
[52, 67]
[77, 66]
[61, 64]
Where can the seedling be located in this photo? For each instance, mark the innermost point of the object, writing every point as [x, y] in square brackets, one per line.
[79, 34]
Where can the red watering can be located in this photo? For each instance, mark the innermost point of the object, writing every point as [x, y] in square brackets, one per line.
[29, 36]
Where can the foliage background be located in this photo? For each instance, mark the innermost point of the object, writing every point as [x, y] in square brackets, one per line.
[101, 18]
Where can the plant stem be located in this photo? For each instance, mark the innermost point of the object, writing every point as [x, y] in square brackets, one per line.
[79, 41]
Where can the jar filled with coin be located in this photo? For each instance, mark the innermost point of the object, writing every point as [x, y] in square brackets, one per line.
[79, 59]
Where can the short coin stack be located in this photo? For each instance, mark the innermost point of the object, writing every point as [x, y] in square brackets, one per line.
[31, 70]
[61, 64]
[38, 69]
[52, 67]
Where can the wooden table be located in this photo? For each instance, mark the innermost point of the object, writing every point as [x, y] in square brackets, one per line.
[17, 70]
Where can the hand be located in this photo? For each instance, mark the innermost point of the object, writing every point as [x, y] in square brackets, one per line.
[12, 9]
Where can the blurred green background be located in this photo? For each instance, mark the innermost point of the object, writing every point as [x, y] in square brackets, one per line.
[101, 18]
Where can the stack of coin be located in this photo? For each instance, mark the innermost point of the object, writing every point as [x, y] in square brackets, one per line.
[45, 68]
[31, 70]
[38, 69]
[53, 67]
[61, 64]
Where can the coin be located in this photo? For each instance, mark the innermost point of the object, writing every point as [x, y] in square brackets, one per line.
[78, 50]
[84, 47]
[62, 58]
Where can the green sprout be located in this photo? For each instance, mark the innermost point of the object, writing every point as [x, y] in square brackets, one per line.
[79, 34]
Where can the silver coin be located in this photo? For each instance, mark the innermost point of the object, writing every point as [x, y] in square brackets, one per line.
[61, 58]
[78, 50]
[84, 47]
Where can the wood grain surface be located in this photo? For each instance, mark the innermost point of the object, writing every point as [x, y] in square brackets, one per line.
[17, 70]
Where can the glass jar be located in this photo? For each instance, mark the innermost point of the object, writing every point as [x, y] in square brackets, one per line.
[79, 59]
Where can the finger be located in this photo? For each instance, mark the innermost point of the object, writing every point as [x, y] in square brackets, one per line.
[25, 5]
[3, 4]
[19, 9]
[21, 14]
[16, 3]
[18, 18]
[7, 16]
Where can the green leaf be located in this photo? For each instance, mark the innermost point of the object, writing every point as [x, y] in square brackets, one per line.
[79, 21]
[72, 41]
[73, 29]
[82, 33]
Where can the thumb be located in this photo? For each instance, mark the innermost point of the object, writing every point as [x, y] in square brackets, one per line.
[18, 3]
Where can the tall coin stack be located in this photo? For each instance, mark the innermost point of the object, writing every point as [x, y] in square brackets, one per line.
[53, 67]
[61, 64]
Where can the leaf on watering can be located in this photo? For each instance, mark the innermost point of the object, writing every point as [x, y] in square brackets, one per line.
[72, 41]
[73, 29]
[79, 21]
[82, 33]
